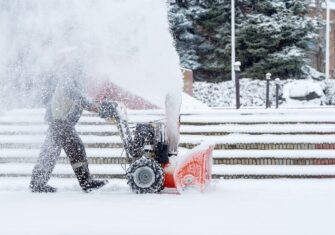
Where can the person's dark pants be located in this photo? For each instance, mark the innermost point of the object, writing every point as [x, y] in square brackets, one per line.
[60, 135]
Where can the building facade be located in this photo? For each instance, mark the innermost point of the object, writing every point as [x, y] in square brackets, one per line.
[317, 9]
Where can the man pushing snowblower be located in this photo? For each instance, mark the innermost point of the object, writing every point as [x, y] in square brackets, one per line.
[143, 62]
[151, 149]
[63, 112]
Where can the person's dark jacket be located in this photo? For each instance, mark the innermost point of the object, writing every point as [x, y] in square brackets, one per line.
[67, 103]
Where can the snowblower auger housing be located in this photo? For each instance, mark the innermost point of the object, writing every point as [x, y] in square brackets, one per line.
[150, 167]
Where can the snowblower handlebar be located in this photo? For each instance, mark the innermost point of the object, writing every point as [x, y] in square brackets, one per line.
[108, 109]
[117, 111]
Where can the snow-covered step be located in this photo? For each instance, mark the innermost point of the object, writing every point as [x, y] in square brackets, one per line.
[249, 116]
[192, 139]
[41, 129]
[31, 153]
[41, 112]
[269, 146]
[274, 170]
[225, 157]
[186, 120]
[216, 161]
[224, 129]
[217, 154]
[38, 145]
[35, 141]
[24, 139]
[263, 142]
[232, 141]
[91, 153]
[294, 154]
[252, 119]
[245, 138]
[25, 169]
[299, 110]
[224, 171]
[38, 119]
[64, 160]
[95, 156]
[88, 120]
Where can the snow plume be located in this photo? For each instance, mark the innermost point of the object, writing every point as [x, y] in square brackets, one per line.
[126, 42]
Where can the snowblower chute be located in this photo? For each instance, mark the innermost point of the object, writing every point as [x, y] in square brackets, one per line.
[151, 169]
[192, 170]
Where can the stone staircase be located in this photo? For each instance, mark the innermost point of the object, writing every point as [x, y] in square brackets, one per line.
[250, 143]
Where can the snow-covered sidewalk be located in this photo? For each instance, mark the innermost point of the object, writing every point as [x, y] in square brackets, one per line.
[235, 207]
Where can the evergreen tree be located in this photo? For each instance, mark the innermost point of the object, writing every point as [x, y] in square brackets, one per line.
[186, 39]
[271, 36]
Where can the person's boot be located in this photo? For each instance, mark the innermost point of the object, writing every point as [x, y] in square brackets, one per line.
[42, 188]
[94, 184]
[38, 182]
[85, 181]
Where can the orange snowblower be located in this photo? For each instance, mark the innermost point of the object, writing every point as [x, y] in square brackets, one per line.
[151, 169]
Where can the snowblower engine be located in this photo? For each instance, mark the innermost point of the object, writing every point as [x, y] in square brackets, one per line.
[150, 167]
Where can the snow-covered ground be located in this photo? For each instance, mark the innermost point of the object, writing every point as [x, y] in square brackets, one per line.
[235, 207]
[232, 207]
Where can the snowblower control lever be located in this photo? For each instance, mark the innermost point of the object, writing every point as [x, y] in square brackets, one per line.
[117, 112]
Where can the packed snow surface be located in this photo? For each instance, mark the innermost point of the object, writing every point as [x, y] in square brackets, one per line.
[236, 207]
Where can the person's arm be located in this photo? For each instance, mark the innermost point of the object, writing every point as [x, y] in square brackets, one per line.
[76, 94]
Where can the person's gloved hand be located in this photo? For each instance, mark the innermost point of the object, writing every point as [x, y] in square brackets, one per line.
[94, 107]
[108, 109]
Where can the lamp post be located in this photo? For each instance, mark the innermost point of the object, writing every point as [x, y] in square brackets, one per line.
[277, 92]
[232, 4]
[267, 101]
[327, 37]
[237, 70]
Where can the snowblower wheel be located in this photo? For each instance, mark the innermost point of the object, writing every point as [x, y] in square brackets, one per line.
[145, 176]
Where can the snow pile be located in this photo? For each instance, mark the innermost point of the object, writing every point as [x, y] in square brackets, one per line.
[190, 103]
[253, 93]
[306, 92]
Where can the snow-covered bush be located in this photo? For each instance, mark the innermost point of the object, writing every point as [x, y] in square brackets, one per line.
[312, 73]
[329, 91]
[253, 92]
[223, 94]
